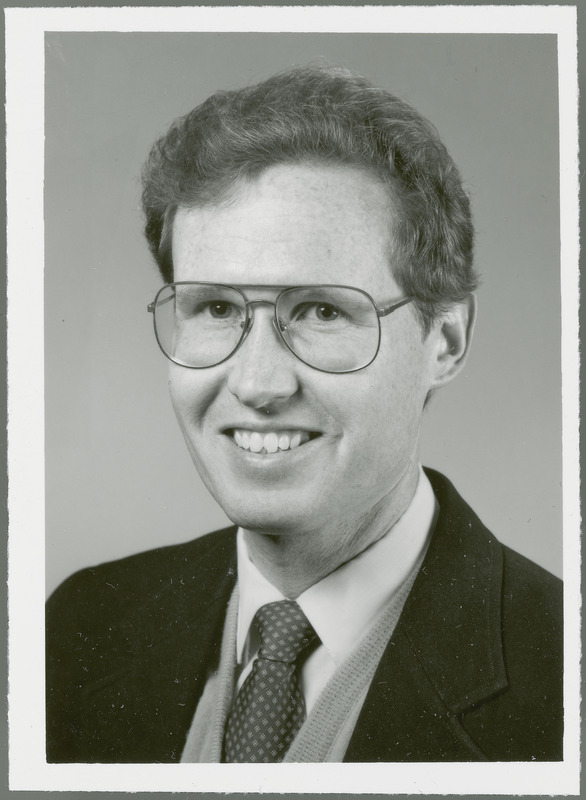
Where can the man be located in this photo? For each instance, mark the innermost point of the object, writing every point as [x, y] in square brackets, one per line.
[316, 247]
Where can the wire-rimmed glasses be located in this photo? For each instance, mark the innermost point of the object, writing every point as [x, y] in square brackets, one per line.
[330, 328]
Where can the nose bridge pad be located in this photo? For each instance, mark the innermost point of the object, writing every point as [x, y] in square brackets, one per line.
[279, 326]
[246, 325]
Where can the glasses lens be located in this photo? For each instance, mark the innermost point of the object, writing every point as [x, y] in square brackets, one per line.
[332, 328]
[199, 325]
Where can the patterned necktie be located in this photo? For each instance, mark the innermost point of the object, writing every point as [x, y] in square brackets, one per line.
[269, 708]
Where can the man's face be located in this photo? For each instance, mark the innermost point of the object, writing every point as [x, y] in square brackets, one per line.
[302, 224]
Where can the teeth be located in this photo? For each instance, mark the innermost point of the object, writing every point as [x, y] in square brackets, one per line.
[256, 443]
[269, 442]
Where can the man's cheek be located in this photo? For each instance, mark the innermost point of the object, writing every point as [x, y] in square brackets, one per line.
[191, 398]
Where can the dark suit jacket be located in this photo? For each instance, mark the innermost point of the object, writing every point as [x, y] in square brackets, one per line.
[473, 671]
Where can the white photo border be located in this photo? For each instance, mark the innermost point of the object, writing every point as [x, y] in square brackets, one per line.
[25, 29]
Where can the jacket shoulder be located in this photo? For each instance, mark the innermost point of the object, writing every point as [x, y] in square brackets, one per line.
[135, 576]
[128, 637]
[526, 583]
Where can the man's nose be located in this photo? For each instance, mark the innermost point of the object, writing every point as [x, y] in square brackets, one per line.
[263, 371]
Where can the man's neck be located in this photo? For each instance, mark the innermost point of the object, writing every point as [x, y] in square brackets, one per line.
[294, 562]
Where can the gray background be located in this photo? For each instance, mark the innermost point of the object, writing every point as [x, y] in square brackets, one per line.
[118, 475]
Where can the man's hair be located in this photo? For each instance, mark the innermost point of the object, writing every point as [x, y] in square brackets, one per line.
[328, 116]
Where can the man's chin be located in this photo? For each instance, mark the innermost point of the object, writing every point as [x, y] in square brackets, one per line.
[267, 521]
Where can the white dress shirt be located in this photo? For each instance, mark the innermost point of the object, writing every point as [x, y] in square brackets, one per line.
[345, 603]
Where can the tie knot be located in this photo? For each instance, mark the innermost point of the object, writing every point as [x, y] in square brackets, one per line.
[284, 631]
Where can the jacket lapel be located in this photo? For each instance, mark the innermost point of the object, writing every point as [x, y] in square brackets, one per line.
[445, 654]
[174, 637]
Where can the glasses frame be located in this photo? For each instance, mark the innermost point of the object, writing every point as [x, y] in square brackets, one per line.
[381, 311]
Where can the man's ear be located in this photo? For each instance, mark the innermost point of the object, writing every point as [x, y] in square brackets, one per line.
[455, 331]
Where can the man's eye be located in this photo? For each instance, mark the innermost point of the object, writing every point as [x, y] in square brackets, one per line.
[219, 309]
[326, 312]
[216, 309]
[320, 312]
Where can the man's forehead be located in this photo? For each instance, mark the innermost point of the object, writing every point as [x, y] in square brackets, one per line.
[293, 224]
[318, 200]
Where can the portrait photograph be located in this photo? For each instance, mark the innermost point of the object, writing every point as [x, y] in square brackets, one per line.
[293, 400]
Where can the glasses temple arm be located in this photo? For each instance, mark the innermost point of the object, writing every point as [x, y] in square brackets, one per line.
[151, 306]
[385, 310]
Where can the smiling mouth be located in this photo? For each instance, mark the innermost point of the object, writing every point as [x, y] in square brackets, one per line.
[270, 442]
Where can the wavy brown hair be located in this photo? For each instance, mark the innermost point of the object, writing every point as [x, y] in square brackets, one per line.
[329, 116]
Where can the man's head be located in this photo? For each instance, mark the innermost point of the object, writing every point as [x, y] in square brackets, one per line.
[312, 178]
[322, 116]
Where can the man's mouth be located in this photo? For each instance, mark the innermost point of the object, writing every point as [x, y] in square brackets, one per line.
[271, 441]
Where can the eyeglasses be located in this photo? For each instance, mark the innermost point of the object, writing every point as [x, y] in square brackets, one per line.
[330, 328]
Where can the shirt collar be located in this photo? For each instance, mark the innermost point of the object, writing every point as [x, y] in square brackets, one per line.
[343, 604]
